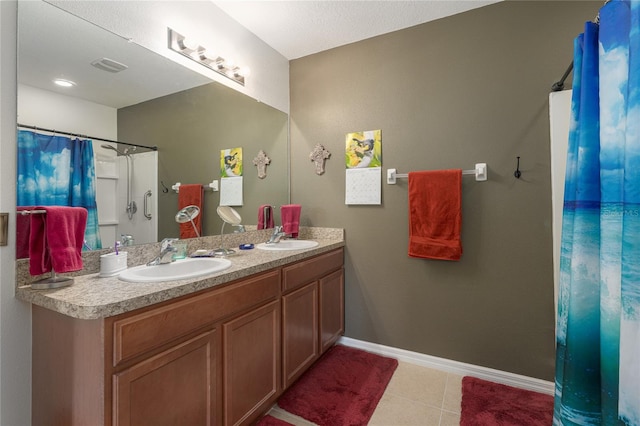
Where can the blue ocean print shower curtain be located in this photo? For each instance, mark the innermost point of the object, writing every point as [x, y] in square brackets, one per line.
[58, 171]
[598, 330]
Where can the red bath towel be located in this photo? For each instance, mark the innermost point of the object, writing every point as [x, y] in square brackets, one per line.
[435, 214]
[190, 195]
[290, 217]
[56, 239]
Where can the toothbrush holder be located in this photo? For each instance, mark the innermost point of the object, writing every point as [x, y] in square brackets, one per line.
[112, 264]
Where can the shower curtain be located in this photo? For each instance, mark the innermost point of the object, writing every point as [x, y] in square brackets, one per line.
[598, 330]
[58, 171]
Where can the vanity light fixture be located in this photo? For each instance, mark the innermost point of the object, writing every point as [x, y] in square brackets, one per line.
[207, 58]
[242, 71]
[197, 53]
[187, 47]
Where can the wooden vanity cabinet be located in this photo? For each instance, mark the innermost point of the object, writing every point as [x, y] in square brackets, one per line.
[219, 357]
[176, 386]
[251, 364]
[189, 360]
[331, 308]
[312, 311]
[300, 343]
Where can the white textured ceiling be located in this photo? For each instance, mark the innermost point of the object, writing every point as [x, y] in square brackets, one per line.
[303, 27]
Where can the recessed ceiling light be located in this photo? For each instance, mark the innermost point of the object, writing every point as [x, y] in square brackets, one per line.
[64, 83]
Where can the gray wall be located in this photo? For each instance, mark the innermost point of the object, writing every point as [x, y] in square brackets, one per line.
[190, 128]
[447, 94]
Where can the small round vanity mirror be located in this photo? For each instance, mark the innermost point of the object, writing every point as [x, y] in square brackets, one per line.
[229, 215]
[232, 217]
[187, 214]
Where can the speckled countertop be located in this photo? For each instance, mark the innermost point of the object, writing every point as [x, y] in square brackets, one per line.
[93, 297]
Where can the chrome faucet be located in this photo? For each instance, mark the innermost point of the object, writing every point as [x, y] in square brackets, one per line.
[277, 235]
[166, 253]
[126, 240]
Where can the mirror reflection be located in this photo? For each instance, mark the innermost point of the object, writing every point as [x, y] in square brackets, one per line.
[152, 102]
[187, 215]
[232, 217]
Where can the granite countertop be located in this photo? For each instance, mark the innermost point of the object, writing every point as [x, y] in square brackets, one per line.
[94, 297]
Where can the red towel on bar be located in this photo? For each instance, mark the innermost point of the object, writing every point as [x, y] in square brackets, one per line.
[56, 239]
[189, 195]
[23, 230]
[290, 217]
[265, 217]
[435, 214]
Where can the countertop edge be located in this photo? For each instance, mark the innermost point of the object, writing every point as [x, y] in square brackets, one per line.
[140, 295]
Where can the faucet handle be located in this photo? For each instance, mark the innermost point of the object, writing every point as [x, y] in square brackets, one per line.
[168, 242]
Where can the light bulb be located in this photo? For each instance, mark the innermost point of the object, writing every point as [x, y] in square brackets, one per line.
[230, 64]
[64, 83]
[187, 46]
[244, 71]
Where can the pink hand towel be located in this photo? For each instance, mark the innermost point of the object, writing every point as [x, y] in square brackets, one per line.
[190, 195]
[290, 217]
[56, 239]
[435, 214]
[265, 217]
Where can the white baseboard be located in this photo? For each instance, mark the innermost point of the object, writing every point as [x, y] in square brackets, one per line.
[456, 367]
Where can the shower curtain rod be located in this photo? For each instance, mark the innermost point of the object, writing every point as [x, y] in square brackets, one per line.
[24, 126]
[559, 85]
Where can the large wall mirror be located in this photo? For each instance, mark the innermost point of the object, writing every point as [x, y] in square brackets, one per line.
[153, 102]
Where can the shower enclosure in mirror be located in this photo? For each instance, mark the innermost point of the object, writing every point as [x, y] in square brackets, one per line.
[153, 102]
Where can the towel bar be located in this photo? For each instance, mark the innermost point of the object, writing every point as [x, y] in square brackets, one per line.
[212, 186]
[25, 212]
[480, 173]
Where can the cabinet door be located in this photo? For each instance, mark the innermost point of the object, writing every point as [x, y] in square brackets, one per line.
[331, 308]
[177, 386]
[251, 364]
[299, 331]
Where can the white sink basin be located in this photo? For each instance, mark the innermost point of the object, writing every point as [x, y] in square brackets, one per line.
[178, 270]
[288, 245]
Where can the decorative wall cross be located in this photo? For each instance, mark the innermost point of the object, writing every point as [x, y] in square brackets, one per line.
[261, 162]
[318, 156]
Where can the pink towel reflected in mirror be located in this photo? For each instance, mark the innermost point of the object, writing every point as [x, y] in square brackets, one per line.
[56, 239]
[290, 216]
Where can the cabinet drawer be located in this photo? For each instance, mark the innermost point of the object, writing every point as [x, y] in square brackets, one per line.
[306, 271]
[139, 333]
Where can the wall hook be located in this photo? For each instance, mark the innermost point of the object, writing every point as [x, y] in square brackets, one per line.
[164, 188]
[517, 173]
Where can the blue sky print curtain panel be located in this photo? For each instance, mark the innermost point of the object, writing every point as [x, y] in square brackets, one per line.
[598, 332]
[58, 171]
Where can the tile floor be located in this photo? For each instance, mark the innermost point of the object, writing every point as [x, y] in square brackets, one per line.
[415, 396]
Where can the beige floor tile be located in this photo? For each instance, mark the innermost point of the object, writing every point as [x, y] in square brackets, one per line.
[450, 419]
[393, 410]
[415, 396]
[418, 384]
[453, 393]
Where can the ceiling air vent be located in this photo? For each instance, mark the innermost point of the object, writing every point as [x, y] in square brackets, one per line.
[106, 64]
